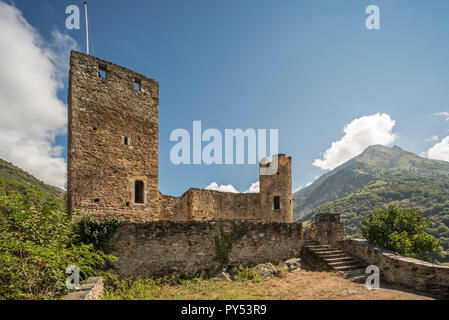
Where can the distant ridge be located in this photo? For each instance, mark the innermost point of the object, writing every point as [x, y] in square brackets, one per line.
[376, 178]
[15, 180]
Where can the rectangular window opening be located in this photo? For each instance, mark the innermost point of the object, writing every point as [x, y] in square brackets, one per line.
[137, 84]
[139, 189]
[277, 202]
[127, 141]
[102, 72]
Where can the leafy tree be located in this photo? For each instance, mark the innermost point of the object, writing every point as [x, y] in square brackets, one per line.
[37, 244]
[400, 230]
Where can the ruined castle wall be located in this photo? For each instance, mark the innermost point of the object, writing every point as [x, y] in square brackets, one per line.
[159, 248]
[329, 232]
[395, 268]
[174, 208]
[207, 205]
[278, 185]
[215, 205]
[102, 168]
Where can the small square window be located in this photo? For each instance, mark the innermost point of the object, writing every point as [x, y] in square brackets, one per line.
[137, 84]
[102, 72]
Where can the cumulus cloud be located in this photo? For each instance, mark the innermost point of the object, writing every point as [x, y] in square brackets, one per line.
[254, 188]
[443, 114]
[221, 188]
[432, 138]
[358, 135]
[32, 72]
[440, 151]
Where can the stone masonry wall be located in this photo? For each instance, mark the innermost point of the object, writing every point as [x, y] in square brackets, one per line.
[277, 185]
[208, 205]
[158, 248]
[325, 232]
[102, 168]
[395, 268]
[215, 205]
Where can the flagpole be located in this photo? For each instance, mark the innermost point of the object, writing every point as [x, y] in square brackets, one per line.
[87, 28]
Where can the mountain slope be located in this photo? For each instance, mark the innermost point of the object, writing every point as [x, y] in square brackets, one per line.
[14, 179]
[378, 177]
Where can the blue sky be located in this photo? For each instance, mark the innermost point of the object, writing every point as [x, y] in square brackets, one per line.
[307, 68]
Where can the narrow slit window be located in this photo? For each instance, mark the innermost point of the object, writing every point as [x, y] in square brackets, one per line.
[139, 189]
[102, 72]
[137, 84]
[127, 141]
[277, 202]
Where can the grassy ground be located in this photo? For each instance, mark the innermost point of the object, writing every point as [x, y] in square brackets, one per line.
[300, 284]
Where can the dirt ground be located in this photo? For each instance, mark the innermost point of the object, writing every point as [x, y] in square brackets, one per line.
[300, 284]
[319, 285]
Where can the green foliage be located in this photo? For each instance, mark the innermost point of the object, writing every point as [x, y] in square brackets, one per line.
[400, 230]
[129, 289]
[13, 180]
[378, 178]
[241, 273]
[98, 232]
[37, 243]
[224, 242]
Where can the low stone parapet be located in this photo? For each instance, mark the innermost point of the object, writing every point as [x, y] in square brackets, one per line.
[92, 289]
[421, 275]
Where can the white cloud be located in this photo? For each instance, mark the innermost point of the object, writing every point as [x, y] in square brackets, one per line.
[358, 135]
[440, 151]
[432, 138]
[32, 72]
[254, 188]
[443, 114]
[221, 188]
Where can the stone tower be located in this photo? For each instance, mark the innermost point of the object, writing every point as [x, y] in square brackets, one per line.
[276, 200]
[113, 140]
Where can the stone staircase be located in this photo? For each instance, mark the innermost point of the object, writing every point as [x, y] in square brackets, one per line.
[335, 259]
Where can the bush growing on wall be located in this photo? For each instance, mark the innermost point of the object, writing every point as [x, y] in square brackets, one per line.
[98, 232]
[37, 243]
[224, 242]
[400, 230]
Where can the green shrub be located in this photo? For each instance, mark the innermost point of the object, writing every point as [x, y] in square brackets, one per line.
[98, 232]
[241, 273]
[37, 244]
[400, 230]
[224, 242]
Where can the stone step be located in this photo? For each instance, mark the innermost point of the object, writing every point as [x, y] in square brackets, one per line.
[318, 251]
[315, 247]
[334, 256]
[338, 259]
[330, 252]
[320, 247]
[342, 263]
[355, 272]
[348, 267]
[359, 279]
